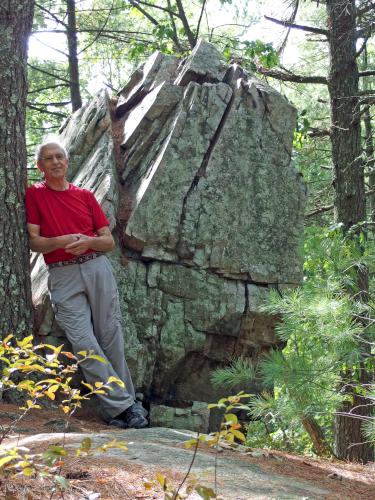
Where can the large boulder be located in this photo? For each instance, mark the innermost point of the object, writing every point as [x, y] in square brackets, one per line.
[192, 164]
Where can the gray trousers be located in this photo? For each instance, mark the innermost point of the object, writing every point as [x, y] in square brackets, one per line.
[85, 300]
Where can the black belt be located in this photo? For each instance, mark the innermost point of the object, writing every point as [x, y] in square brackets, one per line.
[77, 260]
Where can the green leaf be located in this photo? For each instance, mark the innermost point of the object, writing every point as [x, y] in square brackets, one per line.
[86, 444]
[205, 492]
[62, 482]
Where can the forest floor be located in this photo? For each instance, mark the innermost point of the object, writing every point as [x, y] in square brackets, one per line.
[118, 474]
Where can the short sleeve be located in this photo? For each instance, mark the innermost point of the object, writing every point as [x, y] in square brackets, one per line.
[32, 211]
[99, 218]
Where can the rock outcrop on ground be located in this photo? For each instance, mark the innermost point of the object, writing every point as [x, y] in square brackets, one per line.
[192, 165]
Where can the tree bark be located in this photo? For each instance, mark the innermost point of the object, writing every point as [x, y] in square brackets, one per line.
[349, 200]
[71, 33]
[15, 297]
[317, 437]
[370, 155]
[369, 147]
[345, 118]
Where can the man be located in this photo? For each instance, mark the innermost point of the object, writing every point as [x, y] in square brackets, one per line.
[68, 226]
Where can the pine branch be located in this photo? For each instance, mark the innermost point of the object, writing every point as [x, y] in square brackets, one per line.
[367, 100]
[362, 47]
[94, 30]
[326, 208]
[57, 103]
[135, 3]
[144, 12]
[169, 10]
[126, 39]
[364, 10]
[100, 31]
[53, 48]
[185, 23]
[366, 32]
[320, 210]
[49, 74]
[200, 20]
[288, 24]
[318, 132]
[291, 77]
[45, 111]
[367, 73]
[177, 41]
[36, 91]
[291, 20]
[51, 15]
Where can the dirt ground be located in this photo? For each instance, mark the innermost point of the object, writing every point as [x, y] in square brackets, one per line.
[103, 477]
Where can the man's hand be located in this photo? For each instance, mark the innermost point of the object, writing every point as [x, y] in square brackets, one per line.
[45, 245]
[80, 244]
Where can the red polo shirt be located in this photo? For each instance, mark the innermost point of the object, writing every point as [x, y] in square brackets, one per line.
[74, 210]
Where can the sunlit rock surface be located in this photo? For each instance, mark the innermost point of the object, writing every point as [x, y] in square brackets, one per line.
[192, 165]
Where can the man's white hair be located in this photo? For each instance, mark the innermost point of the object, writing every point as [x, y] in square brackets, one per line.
[50, 140]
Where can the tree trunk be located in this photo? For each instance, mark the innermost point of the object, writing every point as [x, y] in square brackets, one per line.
[370, 155]
[317, 437]
[349, 202]
[75, 94]
[369, 148]
[15, 297]
[345, 128]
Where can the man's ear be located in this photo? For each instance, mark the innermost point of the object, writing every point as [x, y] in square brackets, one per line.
[39, 166]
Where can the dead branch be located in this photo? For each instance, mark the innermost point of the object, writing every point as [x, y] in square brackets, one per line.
[288, 24]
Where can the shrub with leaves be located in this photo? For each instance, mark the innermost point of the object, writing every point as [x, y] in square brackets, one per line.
[47, 375]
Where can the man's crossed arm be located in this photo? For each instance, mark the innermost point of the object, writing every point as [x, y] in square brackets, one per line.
[75, 244]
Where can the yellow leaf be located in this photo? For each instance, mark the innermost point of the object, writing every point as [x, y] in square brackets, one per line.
[26, 342]
[27, 471]
[5, 460]
[148, 485]
[161, 480]
[51, 395]
[238, 435]
[97, 358]
[29, 368]
[88, 385]
[190, 443]
[231, 417]
[229, 437]
[25, 384]
[86, 444]
[116, 380]
[98, 384]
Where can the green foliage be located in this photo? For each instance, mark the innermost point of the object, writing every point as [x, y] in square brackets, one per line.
[302, 128]
[40, 376]
[251, 54]
[239, 374]
[324, 326]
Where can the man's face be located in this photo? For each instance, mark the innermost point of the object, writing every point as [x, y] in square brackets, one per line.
[53, 162]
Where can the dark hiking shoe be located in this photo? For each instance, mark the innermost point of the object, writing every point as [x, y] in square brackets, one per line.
[133, 417]
[118, 422]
